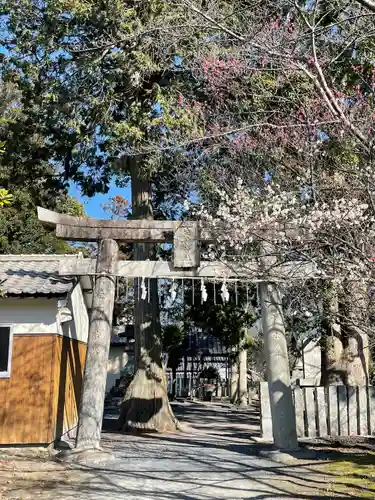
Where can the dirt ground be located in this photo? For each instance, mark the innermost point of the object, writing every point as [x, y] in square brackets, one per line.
[215, 457]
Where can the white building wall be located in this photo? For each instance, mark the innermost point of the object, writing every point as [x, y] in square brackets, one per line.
[73, 319]
[42, 316]
[118, 361]
[29, 315]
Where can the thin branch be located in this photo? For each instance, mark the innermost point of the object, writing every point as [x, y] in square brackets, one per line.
[355, 130]
[229, 132]
[319, 87]
[214, 22]
[369, 4]
[235, 35]
[121, 41]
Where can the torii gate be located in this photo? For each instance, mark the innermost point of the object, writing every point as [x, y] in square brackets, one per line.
[185, 236]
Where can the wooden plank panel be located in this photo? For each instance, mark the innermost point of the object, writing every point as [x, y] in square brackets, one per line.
[69, 366]
[343, 410]
[321, 411]
[363, 411]
[333, 411]
[25, 398]
[352, 411]
[310, 412]
[299, 406]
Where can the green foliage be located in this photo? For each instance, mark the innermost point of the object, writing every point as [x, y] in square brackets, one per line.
[5, 197]
[229, 322]
[27, 179]
[21, 231]
[91, 74]
[173, 343]
[172, 336]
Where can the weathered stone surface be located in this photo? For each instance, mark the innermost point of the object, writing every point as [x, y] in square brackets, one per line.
[85, 457]
[299, 405]
[353, 407]
[321, 411]
[186, 252]
[333, 411]
[343, 410]
[362, 411]
[312, 361]
[95, 374]
[275, 348]
[265, 409]
[310, 412]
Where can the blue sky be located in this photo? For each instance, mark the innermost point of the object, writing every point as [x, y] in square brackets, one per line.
[93, 206]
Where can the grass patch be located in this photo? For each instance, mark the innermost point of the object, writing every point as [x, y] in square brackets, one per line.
[352, 474]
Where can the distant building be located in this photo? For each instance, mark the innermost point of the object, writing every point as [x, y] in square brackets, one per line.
[43, 338]
[121, 355]
[44, 321]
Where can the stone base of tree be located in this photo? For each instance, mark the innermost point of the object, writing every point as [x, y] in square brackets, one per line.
[288, 456]
[243, 403]
[146, 406]
[84, 456]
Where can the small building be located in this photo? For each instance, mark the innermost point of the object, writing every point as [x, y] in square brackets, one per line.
[121, 355]
[43, 337]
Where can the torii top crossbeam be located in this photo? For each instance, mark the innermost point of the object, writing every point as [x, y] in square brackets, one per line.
[185, 236]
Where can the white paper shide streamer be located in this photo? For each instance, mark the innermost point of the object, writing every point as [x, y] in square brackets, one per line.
[224, 292]
[173, 291]
[203, 291]
[143, 289]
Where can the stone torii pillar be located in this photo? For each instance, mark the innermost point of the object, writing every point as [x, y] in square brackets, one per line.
[91, 407]
[277, 360]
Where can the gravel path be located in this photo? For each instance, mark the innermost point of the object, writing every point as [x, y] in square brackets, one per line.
[214, 458]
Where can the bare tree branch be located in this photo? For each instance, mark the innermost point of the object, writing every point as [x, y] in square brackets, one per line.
[369, 4]
[227, 133]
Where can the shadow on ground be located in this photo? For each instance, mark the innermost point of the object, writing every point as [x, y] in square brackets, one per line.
[214, 458]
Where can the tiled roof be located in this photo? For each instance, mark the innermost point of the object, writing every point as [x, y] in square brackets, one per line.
[32, 275]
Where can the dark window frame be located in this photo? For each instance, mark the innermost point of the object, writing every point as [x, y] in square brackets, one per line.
[6, 374]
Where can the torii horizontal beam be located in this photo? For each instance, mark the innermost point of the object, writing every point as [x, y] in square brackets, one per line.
[132, 231]
[210, 270]
[140, 231]
[185, 235]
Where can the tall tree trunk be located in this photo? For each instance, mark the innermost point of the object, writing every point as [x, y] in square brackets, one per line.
[345, 353]
[331, 337]
[355, 351]
[234, 380]
[242, 382]
[146, 406]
